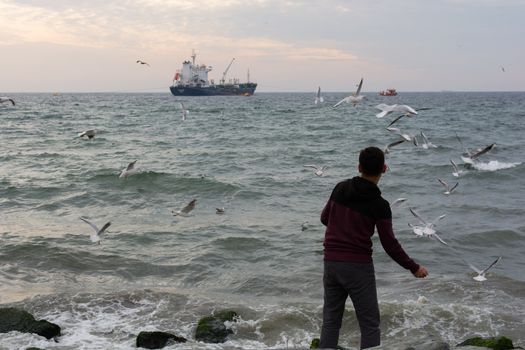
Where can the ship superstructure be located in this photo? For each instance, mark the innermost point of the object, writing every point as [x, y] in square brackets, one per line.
[192, 80]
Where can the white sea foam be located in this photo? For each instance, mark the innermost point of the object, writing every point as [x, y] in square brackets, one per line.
[494, 165]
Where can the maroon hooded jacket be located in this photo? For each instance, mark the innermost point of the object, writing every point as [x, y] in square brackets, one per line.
[354, 209]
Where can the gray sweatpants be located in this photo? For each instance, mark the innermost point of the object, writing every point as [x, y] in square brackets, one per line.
[357, 280]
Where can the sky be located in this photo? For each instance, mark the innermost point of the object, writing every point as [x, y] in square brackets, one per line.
[287, 45]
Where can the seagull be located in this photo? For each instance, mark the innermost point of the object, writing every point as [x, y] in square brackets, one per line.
[95, 237]
[426, 144]
[7, 99]
[390, 145]
[427, 228]
[448, 189]
[319, 171]
[481, 273]
[456, 171]
[184, 111]
[142, 62]
[89, 133]
[471, 157]
[355, 98]
[387, 109]
[502, 69]
[304, 226]
[318, 98]
[406, 137]
[398, 202]
[219, 211]
[130, 170]
[185, 211]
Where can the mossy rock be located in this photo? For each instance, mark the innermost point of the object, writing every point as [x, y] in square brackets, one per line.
[13, 319]
[497, 343]
[211, 329]
[157, 340]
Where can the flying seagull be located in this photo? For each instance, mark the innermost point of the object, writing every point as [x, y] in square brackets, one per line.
[319, 171]
[318, 98]
[186, 210]
[398, 202]
[7, 99]
[89, 133]
[390, 145]
[448, 189]
[219, 211]
[471, 157]
[426, 228]
[130, 170]
[457, 172]
[426, 143]
[406, 137]
[142, 62]
[355, 98]
[481, 273]
[95, 237]
[387, 109]
[184, 111]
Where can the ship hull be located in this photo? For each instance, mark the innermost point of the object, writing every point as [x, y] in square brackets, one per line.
[246, 89]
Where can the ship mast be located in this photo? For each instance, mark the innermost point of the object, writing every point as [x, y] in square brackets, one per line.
[226, 71]
[193, 55]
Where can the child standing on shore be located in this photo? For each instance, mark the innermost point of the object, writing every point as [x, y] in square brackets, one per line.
[353, 211]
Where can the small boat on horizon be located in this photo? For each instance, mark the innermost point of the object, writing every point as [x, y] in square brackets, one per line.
[388, 92]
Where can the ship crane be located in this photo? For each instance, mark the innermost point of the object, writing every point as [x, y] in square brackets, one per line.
[226, 71]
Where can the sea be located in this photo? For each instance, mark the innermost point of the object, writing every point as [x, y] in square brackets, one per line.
[263, 257]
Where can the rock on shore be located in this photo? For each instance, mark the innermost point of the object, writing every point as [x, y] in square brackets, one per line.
[13, 319]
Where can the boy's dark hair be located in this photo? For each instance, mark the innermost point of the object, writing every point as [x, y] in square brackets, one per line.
[372, 161]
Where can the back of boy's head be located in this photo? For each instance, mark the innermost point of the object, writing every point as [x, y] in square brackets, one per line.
[372, 161]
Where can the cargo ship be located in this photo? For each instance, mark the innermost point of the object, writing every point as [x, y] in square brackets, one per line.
[192, 80]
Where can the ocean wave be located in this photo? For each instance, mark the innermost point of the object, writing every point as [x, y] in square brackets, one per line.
[493, 165]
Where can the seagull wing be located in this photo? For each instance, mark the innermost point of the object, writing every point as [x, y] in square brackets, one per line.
[406, 109]
[12, 101]
[417, 216]
[439, 218]
[424, 137]
[311, 166]
[189, 207]
[395, 120]
[483, 151]
[478, 271]
[319, 93]
[455, 166]
[93, 226]
[131, 165]
[346, 99]
[398, 142]
[103, 228]
[454, 187]
[491, 265]
[398, 201]
[439, 238]
[358, 91]
[444, 184]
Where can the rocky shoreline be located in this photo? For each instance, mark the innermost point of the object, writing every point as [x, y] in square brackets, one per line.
[210, 329]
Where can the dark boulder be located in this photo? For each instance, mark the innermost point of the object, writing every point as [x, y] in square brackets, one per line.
[12, 319]
[211, 329]
[157, 340]
[497, 343]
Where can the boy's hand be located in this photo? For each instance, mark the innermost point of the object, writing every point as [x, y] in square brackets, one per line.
[421, 272]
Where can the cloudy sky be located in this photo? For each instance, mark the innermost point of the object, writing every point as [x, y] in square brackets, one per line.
[288, 45]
